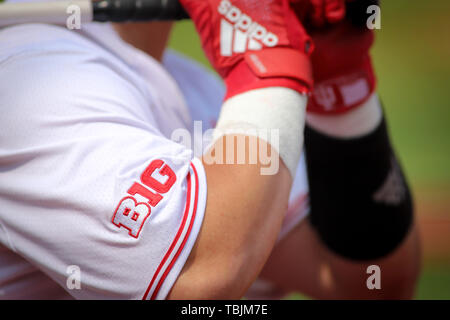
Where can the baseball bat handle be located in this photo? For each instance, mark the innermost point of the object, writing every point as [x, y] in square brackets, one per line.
[57, 12]
[137, 10]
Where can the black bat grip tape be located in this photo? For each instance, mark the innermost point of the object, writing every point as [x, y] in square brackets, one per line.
[137, 10]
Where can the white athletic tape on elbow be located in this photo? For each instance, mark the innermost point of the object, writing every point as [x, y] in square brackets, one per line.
[267, 113]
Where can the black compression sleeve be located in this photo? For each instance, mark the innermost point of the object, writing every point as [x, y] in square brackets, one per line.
[360, 201]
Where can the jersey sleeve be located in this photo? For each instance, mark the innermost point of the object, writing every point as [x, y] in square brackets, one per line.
[90, 191]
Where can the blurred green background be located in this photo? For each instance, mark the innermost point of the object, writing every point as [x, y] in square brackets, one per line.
[412, 58]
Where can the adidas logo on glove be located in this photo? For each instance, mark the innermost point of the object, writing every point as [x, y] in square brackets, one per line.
[238, 32]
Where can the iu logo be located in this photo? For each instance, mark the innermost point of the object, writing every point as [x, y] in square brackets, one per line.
[325, 96]
[131, 214]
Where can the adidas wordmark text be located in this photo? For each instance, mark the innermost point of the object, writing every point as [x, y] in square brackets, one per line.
[238, 32]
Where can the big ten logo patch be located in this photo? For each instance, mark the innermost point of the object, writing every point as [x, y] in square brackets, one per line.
[132, 211]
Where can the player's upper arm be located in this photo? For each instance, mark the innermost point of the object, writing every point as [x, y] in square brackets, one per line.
[88, 182]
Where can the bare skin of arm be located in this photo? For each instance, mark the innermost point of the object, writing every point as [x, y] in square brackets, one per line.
[243, 216]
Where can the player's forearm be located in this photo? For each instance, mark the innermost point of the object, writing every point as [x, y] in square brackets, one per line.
[242, 220]
[368, 212]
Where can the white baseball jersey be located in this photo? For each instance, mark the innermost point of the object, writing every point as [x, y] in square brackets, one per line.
[96, 200]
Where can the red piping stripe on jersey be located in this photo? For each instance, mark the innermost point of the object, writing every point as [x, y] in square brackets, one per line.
[175, 241]
[180, 230]
[184, 241]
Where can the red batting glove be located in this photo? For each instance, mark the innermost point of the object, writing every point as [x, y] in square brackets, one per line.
[342, 67]
[253, 44]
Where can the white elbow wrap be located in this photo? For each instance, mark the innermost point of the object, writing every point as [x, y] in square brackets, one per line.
[275, 115]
